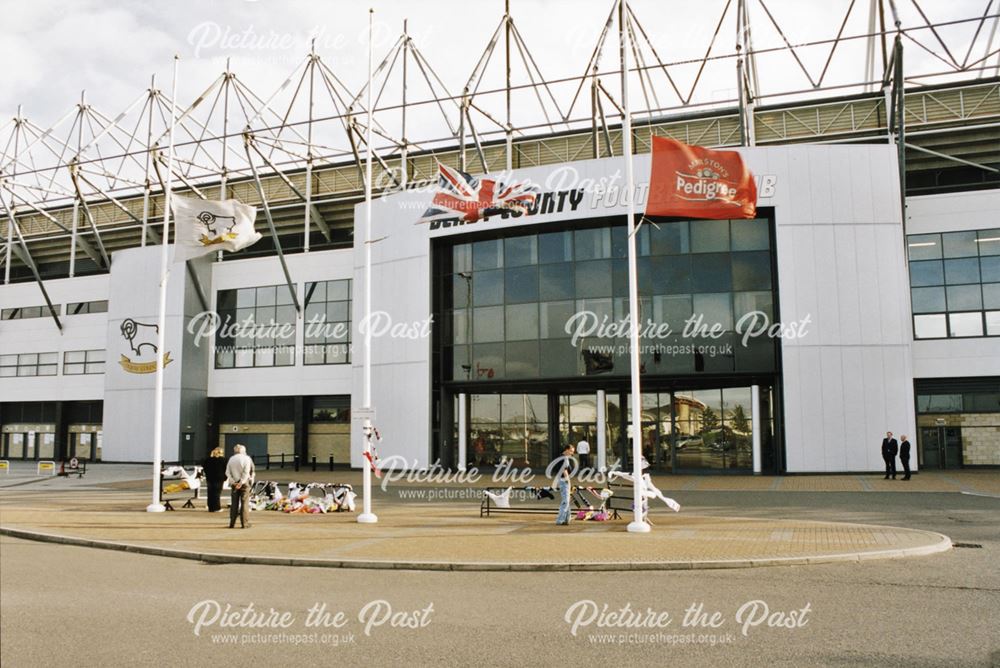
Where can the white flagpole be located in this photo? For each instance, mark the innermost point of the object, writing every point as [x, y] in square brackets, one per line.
[156, 506]
[638, 523]
[367, 516]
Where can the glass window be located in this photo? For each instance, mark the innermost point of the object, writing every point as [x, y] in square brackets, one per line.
[668, 238]
[593, 279]
[488, 324]
[555, 247]
[752, 302]
[556, 281]
[991, 295]
[751, 271]
[989, 242]
[965, 324]
[593, 244]
[965, 297]
[521, 285]
[993, 323]
[926, 273]
[714, 308]
[957, 272]
[522, 359]
[557, 358]
[927, 300]
[711, 273]
[673, 310]
[709, 236]
[924, 246]
[461, 258]
[930, 326]
[488, 361]
[487, 255]
[487, 287]
[268, 317]
[990, 269]
[939, 403]
[522, 322]
[750, 235]
[960, 244]
[665, 275]
[519, 251]
[554, 316]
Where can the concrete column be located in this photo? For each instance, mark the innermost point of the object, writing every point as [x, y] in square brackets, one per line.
[755, 419]
[602, 432]
[463, 431]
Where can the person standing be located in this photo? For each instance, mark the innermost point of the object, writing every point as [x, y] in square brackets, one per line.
[889, 449]
[240, 472]
[215, 474]
[563, 479]
[904, 456]
[583, 449]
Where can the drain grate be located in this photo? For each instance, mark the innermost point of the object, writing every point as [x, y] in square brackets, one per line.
[966, 545]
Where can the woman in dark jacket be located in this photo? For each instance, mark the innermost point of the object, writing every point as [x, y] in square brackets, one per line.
[215, 475]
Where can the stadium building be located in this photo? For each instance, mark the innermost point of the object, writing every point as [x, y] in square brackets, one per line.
[863, 298]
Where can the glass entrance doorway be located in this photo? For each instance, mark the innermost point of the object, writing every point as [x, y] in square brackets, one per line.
[940, 447]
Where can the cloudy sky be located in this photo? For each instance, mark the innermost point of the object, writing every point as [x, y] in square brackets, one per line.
[53, 50]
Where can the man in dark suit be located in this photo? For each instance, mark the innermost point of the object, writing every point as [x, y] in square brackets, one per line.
[889, 449]
[904, 456]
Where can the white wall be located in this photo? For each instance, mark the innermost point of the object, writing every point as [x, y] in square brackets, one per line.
[953, 212]
[40, 335]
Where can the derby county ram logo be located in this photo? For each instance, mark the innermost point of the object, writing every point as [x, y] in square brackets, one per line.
[220, 228]
[141, 340]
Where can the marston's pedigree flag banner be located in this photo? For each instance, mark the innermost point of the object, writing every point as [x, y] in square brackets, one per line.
[206, 226]
[695, 182]
[471, 198]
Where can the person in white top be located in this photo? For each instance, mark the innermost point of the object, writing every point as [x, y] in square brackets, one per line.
[583, 449]
[240, 473]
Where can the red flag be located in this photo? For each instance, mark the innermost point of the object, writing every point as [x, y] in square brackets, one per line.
[695, 182]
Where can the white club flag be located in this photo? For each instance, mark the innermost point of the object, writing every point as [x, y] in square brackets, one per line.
[206, 226]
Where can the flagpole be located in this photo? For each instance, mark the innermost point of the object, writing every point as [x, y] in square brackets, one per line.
[367, 516]
[156, 506]
[638, 523]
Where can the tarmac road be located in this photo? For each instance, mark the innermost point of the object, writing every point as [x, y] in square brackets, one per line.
[76, 606]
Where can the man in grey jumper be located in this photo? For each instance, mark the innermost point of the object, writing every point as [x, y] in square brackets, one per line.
[240, 472]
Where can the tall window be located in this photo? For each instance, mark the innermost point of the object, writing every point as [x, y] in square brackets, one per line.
[955, 284]
[77, 362]
[257, 328]
[529, 306]
[29, 364]
[327, 325]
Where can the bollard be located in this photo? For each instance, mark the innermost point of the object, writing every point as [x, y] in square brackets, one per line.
[314, 462]
[282, 460]
[331, 462]
[295, 458]
[267, 462]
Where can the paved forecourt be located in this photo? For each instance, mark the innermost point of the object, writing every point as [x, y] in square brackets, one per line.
[445, 536]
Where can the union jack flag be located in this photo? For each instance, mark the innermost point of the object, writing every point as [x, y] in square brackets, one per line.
[471, 198]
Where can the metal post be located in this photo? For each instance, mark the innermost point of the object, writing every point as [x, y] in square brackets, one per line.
[147, 189]
[461, 130]
[755, 426]
[156, 506]
[638, 523]
[404, 147]
[508, 131]
[463, 431]
[602, 431]
[309, 149]
[367, 516]
[72, 237]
